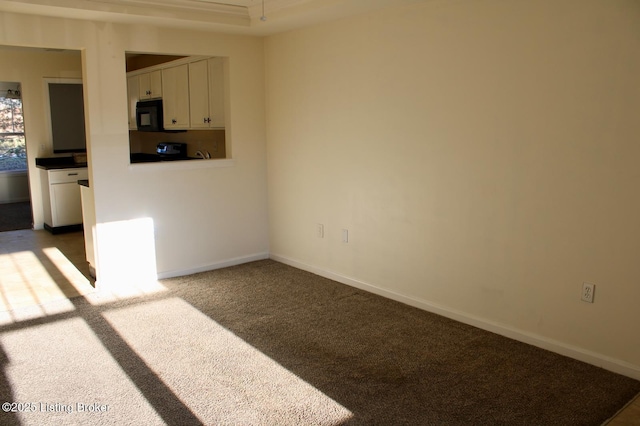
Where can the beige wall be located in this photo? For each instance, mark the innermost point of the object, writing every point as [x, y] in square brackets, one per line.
[484, 157]
[195, 219]
[14, 187]
[29, 68]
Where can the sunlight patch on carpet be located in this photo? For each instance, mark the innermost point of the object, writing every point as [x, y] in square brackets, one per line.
[235, 382]
[59, 365]
[27, 286]
[113, 292]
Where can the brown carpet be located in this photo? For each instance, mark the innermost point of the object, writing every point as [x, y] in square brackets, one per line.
[264, 343]
[14, 216]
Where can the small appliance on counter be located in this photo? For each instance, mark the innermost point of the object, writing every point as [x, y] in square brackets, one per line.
[165, 151]
[80, 158]
[172, 150]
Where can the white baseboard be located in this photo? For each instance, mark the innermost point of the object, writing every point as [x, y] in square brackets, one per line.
[216, 265]
[590, 357]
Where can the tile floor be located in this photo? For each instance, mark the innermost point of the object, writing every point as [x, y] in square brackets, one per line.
[38, 268]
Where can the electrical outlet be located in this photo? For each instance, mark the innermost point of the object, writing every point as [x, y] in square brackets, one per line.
[320, 230]
[587, 292]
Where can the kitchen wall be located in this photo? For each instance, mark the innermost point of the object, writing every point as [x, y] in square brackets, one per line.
[483, 157]
[195, 218]
[14, 187]
[29, 67]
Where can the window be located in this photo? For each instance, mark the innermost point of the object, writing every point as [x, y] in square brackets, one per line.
[13, 153]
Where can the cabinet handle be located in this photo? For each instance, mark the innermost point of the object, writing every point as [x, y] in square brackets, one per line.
[173, 121]
[204, 120]
[72, 174]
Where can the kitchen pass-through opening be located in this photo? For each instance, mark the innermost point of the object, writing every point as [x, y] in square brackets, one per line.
[177, 107]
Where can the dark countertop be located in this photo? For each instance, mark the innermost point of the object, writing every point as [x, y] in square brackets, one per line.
[140, 157]
[84, 182]
[52, 163]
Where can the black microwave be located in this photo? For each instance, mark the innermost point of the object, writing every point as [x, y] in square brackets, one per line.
[149, 116]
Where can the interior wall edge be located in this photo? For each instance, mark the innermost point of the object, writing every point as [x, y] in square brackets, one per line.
[597, 359]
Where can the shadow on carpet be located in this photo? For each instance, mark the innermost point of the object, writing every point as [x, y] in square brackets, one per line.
[265, 343]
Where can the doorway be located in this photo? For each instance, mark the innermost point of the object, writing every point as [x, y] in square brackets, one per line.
[15, 202]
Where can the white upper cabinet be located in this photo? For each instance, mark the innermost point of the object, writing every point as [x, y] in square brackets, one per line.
[206, 94]
[216, 93]
[192, 92]
[142, 87]
[133, 94]
[175, 100]
[199, 95]
[151, 85]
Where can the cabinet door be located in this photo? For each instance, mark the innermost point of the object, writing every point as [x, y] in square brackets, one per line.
[66, 205]
[199, 95]
[216, 93]
[133, 86]
[175, 100]
[151, 85]
[155, 84]
[144, 84]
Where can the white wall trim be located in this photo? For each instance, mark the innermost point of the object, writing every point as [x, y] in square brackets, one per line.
[211, 266]
[590, 357]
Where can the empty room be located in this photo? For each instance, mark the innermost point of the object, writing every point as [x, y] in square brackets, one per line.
[321, 212]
